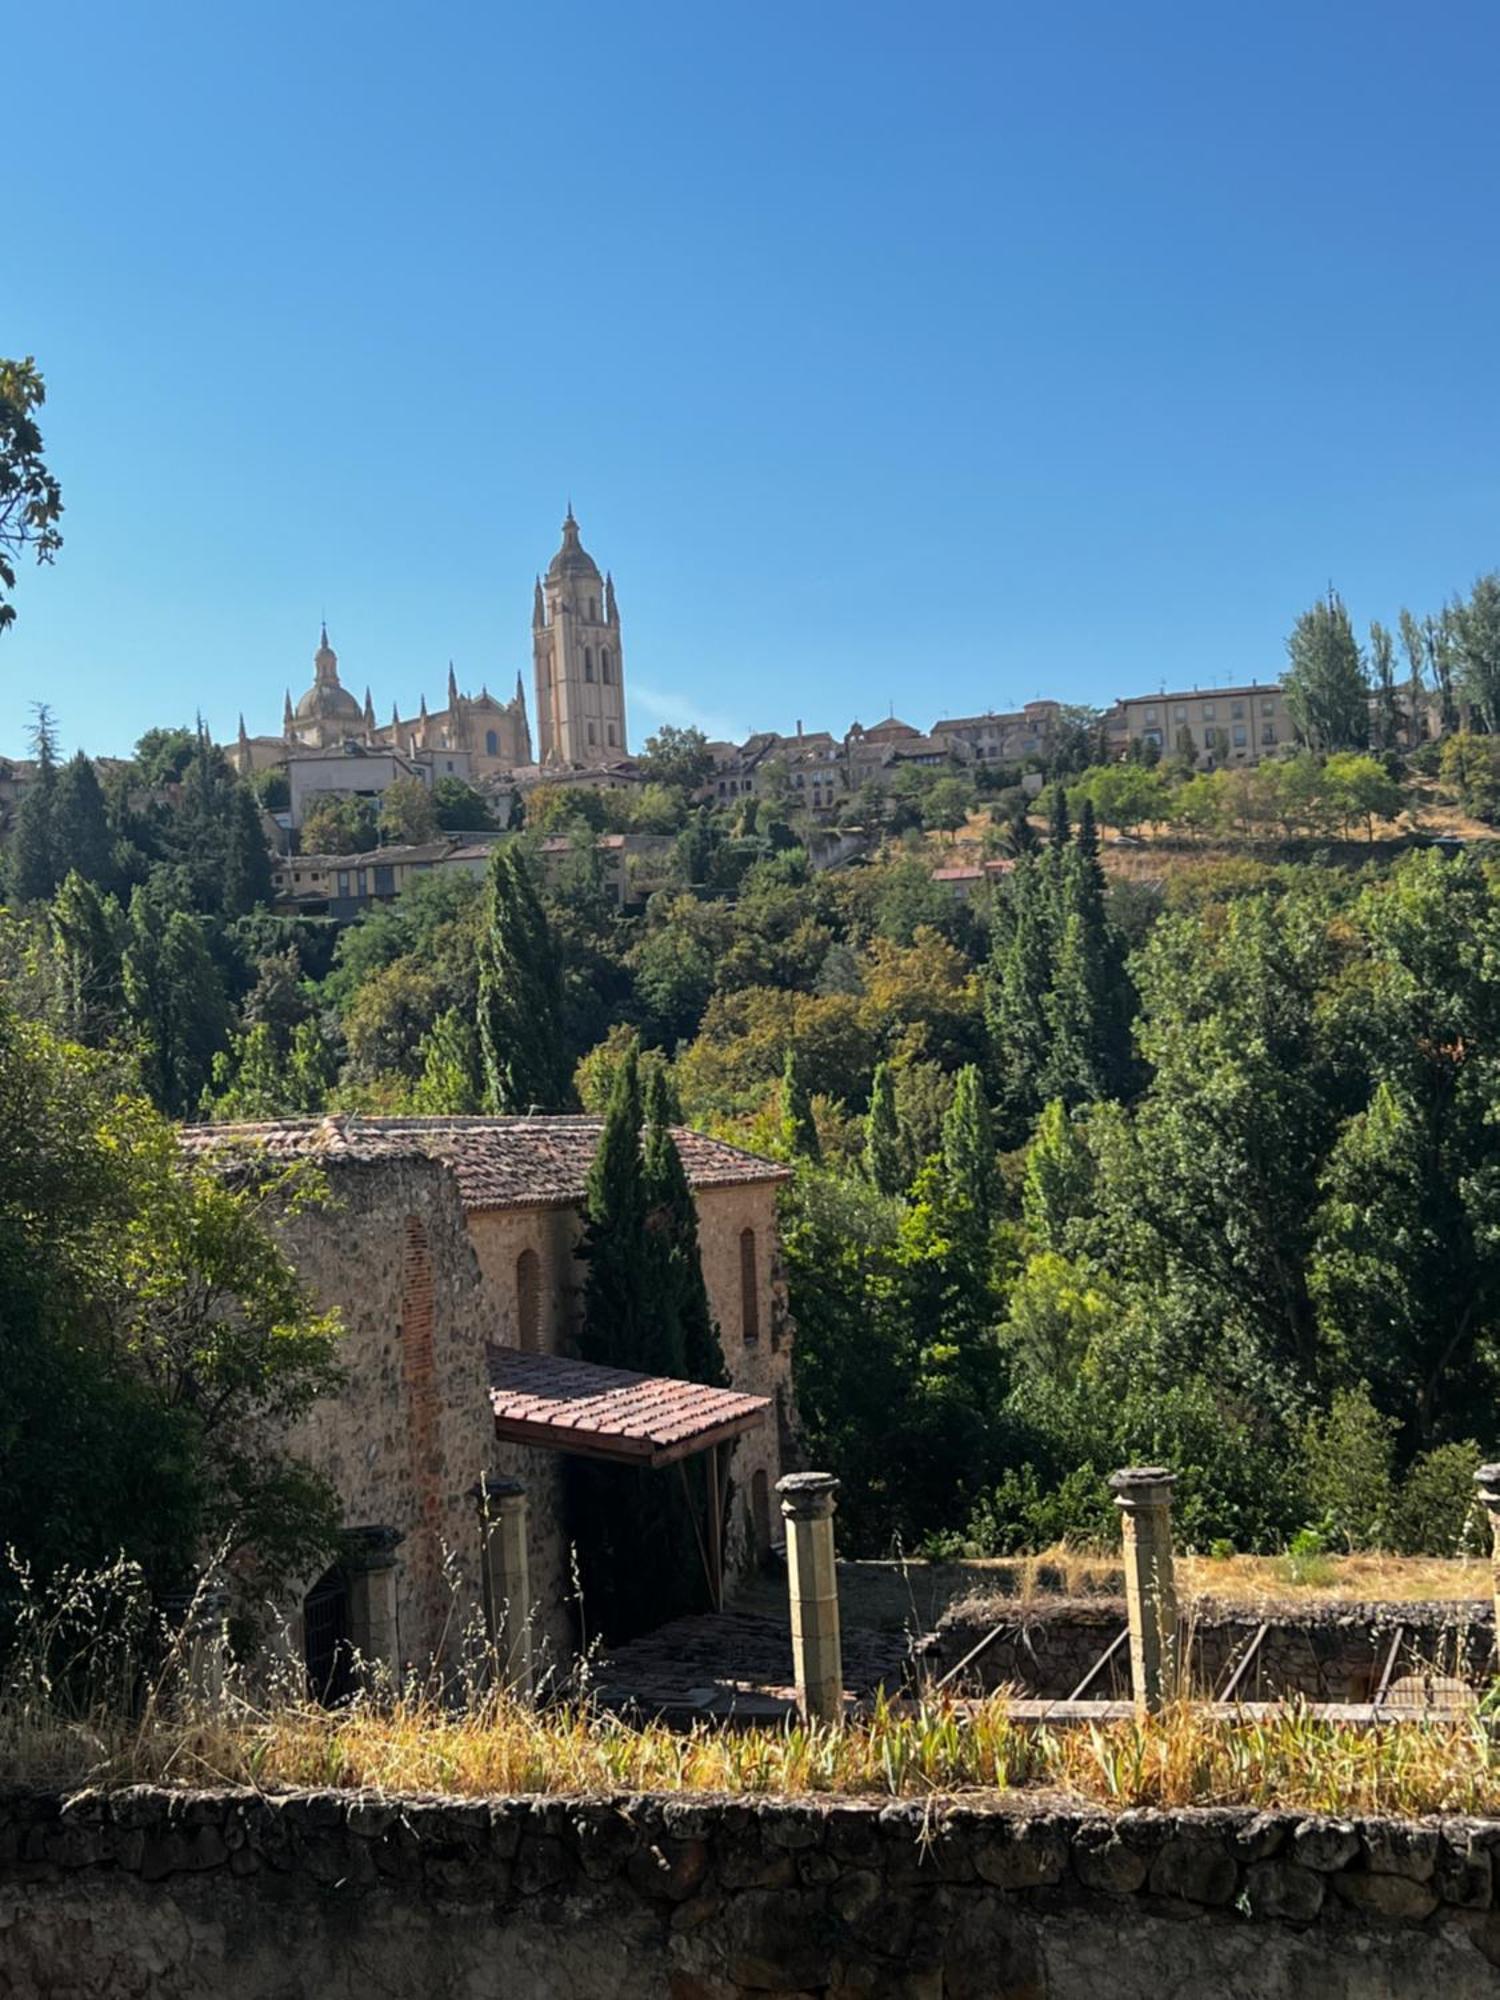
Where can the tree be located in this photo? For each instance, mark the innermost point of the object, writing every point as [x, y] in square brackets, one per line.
[80, 824]
[969, 1160]
[458, 808]
[30, 497]
[680, 1286]
[679, 757]
[408, 815]
[520, 995]
[247, 859]
[33, 859]
[946, 807]
[1020, 978]
[154, 1341]
[162, 755]
[1327, 693]
[339, 823]
[628, 1322]
[883, 1162]
[1475, 628]
[176, 1001]
[1414, 645]
[1383, 665]
[88, 932]
[450, 1079]
[1359, 787]
[799, 1131]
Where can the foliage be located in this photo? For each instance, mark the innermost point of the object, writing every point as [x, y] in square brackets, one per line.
[30, 497]
[520, 995]
[677, 756]
[339, 823]
[1326, 688]
[408, 813]
[458, 808]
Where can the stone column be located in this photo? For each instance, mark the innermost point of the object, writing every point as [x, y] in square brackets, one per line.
[201, 1618]
[507, 1578]
[807, 1500]
[369, 1564]
[1143, 1494]
[1487, 1480]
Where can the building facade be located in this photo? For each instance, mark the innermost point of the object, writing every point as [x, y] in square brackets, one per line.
[1213, 726]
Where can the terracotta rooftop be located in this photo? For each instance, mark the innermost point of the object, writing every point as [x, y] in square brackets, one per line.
[538, 1162]
[594, 1412]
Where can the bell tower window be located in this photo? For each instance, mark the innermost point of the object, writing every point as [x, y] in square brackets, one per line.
[491, 744]
[588, 664]
[606, 673]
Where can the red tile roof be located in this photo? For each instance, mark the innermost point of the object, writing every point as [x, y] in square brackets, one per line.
[498, 1162]
[594, 1412]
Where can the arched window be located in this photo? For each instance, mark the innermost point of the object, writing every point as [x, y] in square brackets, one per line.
[491, 744]
[594, 610]
[326, 1646]
[749, 1289]
[611, 732]
[592, 737]
[605, 671]
[588, 664]
[529, 1302]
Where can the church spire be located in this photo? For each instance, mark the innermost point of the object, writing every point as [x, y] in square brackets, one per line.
[244, 740]
[611, 614]
[369, 709]
[286, 713]
[520, 691]
[538, 609]
[395, 716]
[452, 687]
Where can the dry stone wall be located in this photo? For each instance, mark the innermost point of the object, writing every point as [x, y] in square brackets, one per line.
[181, 1895]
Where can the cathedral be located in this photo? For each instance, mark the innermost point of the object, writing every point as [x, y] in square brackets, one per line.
[579, 693]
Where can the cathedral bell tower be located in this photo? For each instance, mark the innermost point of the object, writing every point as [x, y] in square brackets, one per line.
[580, 679]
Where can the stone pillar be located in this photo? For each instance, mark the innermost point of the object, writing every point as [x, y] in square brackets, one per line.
[200, 1619]
[507, 1578]
[1487, 1480]
[807, 1500]
[369, 1564]
[1143, 1494]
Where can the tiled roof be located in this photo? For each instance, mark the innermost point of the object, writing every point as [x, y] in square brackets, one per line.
[1200, 694]
[497, 1162]
[594, 1412]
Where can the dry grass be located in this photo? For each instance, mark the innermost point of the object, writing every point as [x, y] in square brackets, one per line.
[495, 1746]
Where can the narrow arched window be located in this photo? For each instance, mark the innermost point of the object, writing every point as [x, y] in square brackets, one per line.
[605, 673]
[611, 732]
[594, 610]
[588, 664]
[529, 1302]
[491, 744]
[749, 1288]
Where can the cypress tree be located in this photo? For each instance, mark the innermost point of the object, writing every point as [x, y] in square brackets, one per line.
[87, 929]
[81, 835]
[799, 1131]
[520, 997]
[33, 872]
[674, 1224]
[177, 1002]
[1020, 978]
[637, 1554]
[969, 1163]
[1020, 835]
[247, 859]
[883, 1150]
[449, 1082]
[1059, 824]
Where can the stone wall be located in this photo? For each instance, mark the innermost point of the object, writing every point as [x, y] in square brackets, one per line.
[180, 1895]
[410, 1430]
[1327, 1651]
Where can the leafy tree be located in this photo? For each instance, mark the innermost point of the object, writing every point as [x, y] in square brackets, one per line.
[1414, 645]
[1359, 787]
[247, 859]
[30, 497]
[947, 806]
[1474, 625]
[799, 1131]
[1383, 666]
[336, 823]
[408, 814]
[520, 995]
[1125, 796]
[89, 933]
[1020, 980]
[154, 1340]
[272, 788]
[1327, 693]
[458, 808]
[1470, 766]
[883, 1161]
[969, 1159]
[679, 757]
[162, 756]
[176, 1000]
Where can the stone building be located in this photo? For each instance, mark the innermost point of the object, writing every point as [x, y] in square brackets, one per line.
[448, 1246]
[580, 675]
[1214, 726]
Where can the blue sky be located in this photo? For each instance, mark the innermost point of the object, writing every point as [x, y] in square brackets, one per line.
[936, 356]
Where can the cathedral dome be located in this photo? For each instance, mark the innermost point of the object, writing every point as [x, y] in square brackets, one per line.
[572, 559]
[326, 700]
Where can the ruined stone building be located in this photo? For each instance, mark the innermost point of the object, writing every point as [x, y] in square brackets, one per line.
[448, 1247]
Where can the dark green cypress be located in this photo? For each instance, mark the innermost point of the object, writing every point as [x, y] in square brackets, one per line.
[520, 996]
[33, 871]
[81, 835]
[799, 1131]
[674, 1230]
[883, 1150]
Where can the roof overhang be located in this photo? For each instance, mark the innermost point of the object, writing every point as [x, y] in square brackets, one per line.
[559, 1404]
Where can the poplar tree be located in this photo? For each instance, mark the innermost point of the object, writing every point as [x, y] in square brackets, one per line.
[1383, 664]
[883, 1150]
[1327, 692]
[520, 996]
[449, 1082]
[88, 932]
[33, 861]
[969, 1162]
[799, 1131]
[1020, 978]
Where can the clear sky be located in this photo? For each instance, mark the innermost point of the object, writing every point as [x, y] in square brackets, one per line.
[933, 355]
